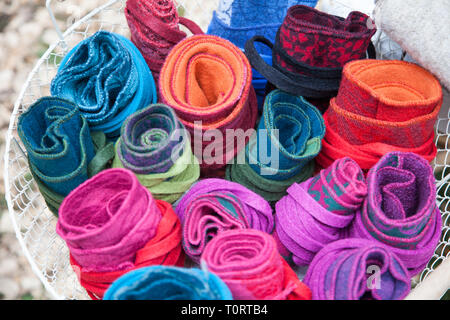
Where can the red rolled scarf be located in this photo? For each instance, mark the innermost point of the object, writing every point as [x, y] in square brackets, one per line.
[206, 78]
[154, 26]
[382, 106]
[112, 225]
[250, 265]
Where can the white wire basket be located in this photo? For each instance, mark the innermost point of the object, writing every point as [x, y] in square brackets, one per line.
[35, 225]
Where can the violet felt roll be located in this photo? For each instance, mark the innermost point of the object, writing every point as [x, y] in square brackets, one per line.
[357, 269]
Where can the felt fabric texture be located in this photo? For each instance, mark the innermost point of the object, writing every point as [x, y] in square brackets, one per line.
[310, 49]
[342, 270]
[154, 145]
[163, 249]
[61, 151]
[400, 210]
[421, 28]
[381, 106]
[212, 206]
[317, 211]
[289, 136]
[168, 283]
[155, 29]
[250, 265]
[106, 219]
[106, 76]
[207, 79]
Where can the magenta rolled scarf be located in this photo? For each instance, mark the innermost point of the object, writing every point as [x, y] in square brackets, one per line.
[105, 220]
[357, 269]
[317, 211]
[249, 263]
[400, 210]
[215, 205]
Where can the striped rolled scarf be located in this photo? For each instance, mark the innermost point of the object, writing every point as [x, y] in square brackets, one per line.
[340, 272]
[250, 265]
[382, 106]
[317, 211]
[289, 136]
[207, 79]
[112, 225]
[168, 283]
[400, 210]
[155, 146]
[62, 152]
[106, 76]
[212, 206]
[311, 47]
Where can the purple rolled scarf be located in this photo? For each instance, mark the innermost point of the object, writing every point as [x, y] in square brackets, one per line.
[105, 220]
[357, 269]
[400, 210]
[214, 205]
[315, 212]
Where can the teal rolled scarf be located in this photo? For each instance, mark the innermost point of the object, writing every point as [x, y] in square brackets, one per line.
[107, 77]
[62, 152]
[168, 283]
[155, 145]
[289, 136]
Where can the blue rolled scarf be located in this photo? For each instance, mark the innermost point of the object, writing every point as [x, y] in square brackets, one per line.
[240, 20]
[106, 76]
[168, 283]
[62, 152]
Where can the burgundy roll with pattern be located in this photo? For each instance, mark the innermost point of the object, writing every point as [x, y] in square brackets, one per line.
[317, 211]
[212, 206]
[400, 210]
[250, 265]
[357, 269]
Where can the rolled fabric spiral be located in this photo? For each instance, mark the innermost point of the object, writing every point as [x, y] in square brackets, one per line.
[357, 269]
[310, 49]
[250, 265]
[112, 224]
[317, 211]
[400, 210]
[240, 20]
[382, 106]
[61, 151]
[207, 79]
[289, 136]
[168, 283]
[212, 206]
[106, 76]
[154, 27]
[154, 145]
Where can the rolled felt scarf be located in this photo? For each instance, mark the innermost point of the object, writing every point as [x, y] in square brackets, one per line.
[317, 211]
[310, 49]
[212, 206]
[168, 283]
[207, 80]
[381, 106]
[154, 145]
[112, 224]
[154, 27]
[106, 76]
[289, 136]
[61, 151]
[250, 265]
[357, 269]
[400, 210]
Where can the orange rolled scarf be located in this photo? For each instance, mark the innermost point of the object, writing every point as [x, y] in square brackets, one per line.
[381, 106]
[206, 78]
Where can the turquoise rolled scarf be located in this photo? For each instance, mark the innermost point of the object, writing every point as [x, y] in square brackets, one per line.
[62, 152]
[108, 78]
[168, 283]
